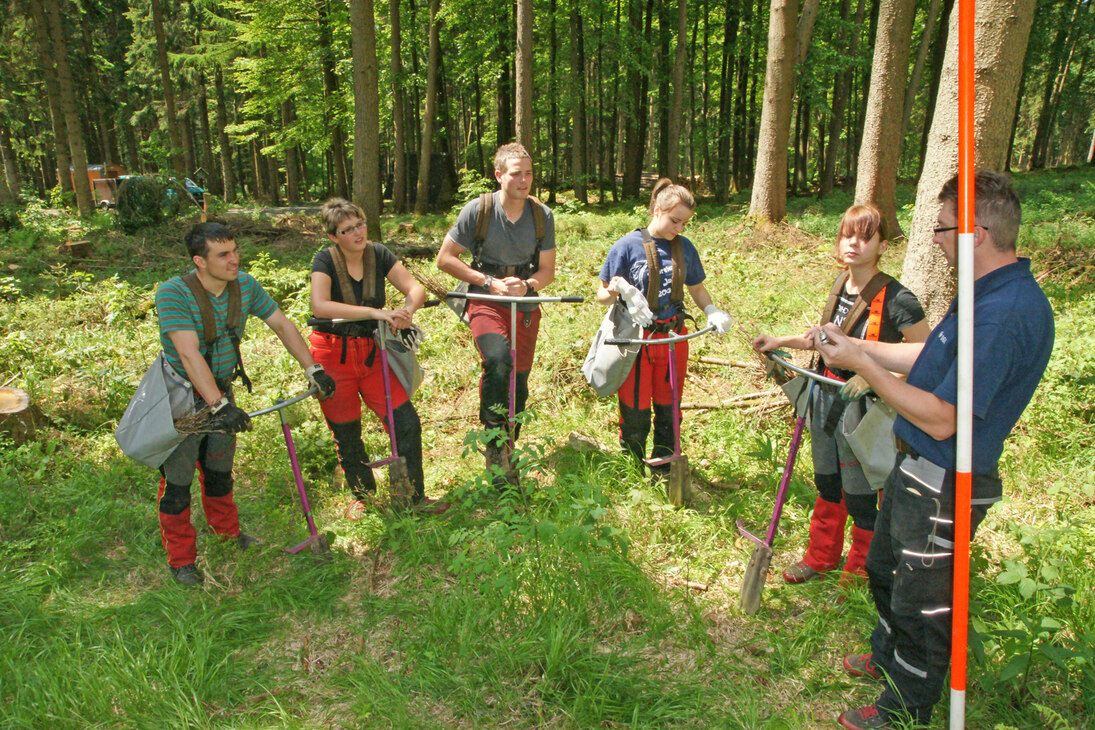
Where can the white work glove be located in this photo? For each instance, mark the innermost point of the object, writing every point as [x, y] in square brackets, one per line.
[719, 318]
[636, 304]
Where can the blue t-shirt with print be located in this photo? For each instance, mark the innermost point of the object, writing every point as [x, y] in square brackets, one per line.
[627, 259]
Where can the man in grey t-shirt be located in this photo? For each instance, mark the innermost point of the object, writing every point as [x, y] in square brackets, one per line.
[508, 259]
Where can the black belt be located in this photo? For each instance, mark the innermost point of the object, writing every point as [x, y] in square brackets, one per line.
[904, 448]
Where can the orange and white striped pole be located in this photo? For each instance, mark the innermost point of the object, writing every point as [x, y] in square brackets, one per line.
[964, 434]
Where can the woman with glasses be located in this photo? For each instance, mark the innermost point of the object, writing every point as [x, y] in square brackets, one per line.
[889, 313]
[348, 280]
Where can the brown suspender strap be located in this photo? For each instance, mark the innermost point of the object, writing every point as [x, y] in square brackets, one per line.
[863, 302]
[539, 220]
[834, 297]
[232, 322]
[653, 266]
[482, 223]
[368, 274]
[676, 291]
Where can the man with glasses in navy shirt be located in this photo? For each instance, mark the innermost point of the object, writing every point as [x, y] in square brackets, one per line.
[910, 563]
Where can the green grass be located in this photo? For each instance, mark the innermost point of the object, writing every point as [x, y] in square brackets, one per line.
[566, 607]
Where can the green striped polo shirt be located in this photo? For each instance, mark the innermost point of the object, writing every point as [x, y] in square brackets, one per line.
[177, 310]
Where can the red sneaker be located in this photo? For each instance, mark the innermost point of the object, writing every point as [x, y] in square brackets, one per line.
[430, 506]
[865, 718]
[357, 509]
[860, 665]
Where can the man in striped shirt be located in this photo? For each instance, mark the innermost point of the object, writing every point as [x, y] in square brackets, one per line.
[210, 368]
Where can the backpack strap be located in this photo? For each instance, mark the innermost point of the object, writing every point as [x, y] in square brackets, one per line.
[368, 278]
[482, 223]
[865, 301]
[653, 266]
[834, 297]
[209, 322]
[874, 319]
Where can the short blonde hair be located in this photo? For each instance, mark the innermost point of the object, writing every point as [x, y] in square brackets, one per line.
[336, 210]
[511, 151]
[667, 195]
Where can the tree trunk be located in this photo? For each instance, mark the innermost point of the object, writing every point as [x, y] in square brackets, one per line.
[841, 90]
[292, 163]
[918, 65]
[399, 181]
[938, 53]
[330, 93]
[880, 153]
[85, 201]
[53, 93]
[578, 107]
[742, 139]
[525, 91]
[1002, 28]
[633, 133]
[769, 199]
[367, 183]
[677, 110]
[504, 99]
[215, 181]
[727, 129]
[1056, 72]
[168, 88]
[553, 94]
[422, 197]
[227, 168]
[9, 190]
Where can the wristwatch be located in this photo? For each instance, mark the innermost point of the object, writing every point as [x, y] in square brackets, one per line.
[487, 282]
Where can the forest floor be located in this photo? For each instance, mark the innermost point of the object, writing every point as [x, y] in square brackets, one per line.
[587, 601]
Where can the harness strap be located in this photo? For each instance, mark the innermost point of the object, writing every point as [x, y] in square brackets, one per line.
[482, 223]
[653, 267]
[368, 278]
[209, 323]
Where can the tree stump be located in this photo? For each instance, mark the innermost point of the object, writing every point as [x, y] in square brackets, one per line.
[19, 418]
[76, 249]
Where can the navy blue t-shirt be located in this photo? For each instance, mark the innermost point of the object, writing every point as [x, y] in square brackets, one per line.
[627, 259]
[1013, 337]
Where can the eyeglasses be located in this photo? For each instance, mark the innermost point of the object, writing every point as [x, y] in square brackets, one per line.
[351, 229]
[944, 229]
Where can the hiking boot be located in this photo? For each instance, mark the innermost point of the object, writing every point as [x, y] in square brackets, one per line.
[187, 575]
[800, 572]
[428, 506]
[860, 665]
[865, 718]
[357, 508]
[502, 473]
[245, 541]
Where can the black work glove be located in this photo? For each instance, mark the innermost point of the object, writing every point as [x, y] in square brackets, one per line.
[324, 383]
[229, 418]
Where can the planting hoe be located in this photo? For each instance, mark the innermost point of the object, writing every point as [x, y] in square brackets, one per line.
[680, 477]
[513, 302]
[316, 542]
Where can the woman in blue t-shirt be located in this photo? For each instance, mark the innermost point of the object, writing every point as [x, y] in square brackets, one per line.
[895, 314]
[626, 275]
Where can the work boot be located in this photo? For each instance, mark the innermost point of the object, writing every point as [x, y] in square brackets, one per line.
[357, 508]
[800, 572]
[860, 665]
[430, 506]
[245, 541]
[187, 575]
[865, 718]
[501, 471]
[826, 542]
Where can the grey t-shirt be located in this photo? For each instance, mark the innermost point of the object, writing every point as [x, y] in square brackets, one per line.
[507, 244]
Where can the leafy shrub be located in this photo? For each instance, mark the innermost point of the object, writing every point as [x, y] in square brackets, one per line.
[149, 200]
